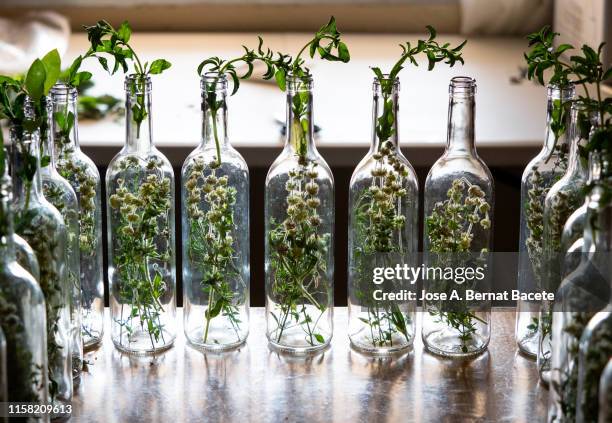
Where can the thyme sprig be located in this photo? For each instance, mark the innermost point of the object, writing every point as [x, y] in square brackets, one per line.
[107, 41]
[326, 43]
[450, 230]
[581, 69]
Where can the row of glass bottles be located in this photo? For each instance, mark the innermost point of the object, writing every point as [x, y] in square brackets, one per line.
[299, 226]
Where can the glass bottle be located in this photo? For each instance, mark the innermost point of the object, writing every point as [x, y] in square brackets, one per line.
[582, 293]
[299, 227]
[140, 216]
[215, 222]
[541, 173]
[563, 198]
[42, 226]
[60, 194]
[459, 197]
[383, 232]
[595, 351]
[22, 318]
[82, 174]
[605, 394]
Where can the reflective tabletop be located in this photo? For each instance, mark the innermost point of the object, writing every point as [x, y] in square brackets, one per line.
[256, 384]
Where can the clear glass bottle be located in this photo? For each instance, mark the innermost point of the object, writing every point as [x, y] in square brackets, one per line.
[582, 293]
[82, 174]
[459, 195]
[595, 351]
[215, 222]
[140, 216]
[22, 318]
[383, 232]
[563, 198]
[42, 226]
[26, 257]
[541, 173]
[299, 227]
[60, 194]
[605, 394]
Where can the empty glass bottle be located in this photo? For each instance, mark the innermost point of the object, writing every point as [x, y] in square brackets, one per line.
[82, 174]
[541, 173]
[60, 194]
[22, 318]
[459, 196]
[383, 232]
[215, 222]
[299, 219]
[582, 293]
[42, 226]
[605, 394]
[140, 216]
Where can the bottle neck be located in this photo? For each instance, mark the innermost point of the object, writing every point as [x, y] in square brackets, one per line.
[558, 118]
[65, 120]
[299, 139]
[385, 108]
[461, 116]
[138, 114]
[598, 223]
[7, 246]
[214, 112]
[579, 134]
[27, 185]
[47, 144]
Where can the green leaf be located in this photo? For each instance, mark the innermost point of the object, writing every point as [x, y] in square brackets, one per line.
[280, 78]
[44, 161]
[124, 32]
[343, 52]
[158, 66]
[35, 80]
[53, 66]
[319, 338]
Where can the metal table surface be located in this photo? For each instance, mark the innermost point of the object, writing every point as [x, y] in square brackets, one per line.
[255, 384]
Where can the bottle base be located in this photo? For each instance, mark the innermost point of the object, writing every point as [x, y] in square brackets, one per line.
[528, 347]
[380, 351]
[298, 350]
[140, 344]
[447, 344]
[216, 347]
[92, 344]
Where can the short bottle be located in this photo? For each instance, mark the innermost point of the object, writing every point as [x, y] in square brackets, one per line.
[299, 227]
[459, 195]
[60, 194]
[141, 239]
[383, 232]
[542, 172]
[82, 174]
[215, 217]
[42, 226]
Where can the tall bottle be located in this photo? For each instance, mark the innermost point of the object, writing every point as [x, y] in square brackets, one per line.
[541, 173]
[82, 174]
[383, 232]
[215, 224]
[22, 315]
[60, 194]
[582, 293]
[563, 198]
[299, 225]
[42, 226]
[140, 216]
[459, 195]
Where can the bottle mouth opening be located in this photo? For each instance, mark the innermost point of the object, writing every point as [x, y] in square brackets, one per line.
[62, 91]
[561, 91]
[218, 79]
[138, 84]
[386, 80]
[462, 85]
[299, 82]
